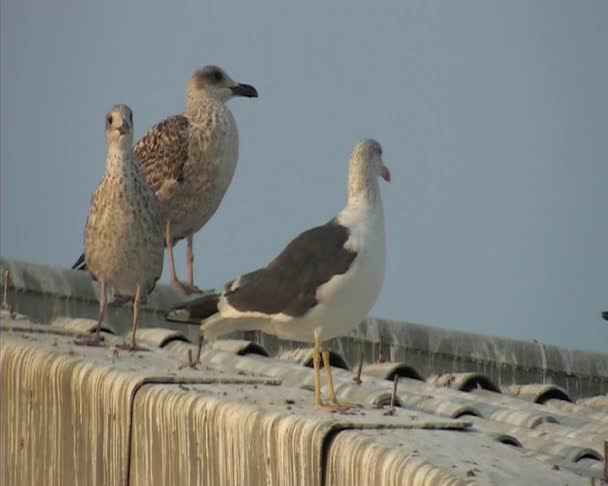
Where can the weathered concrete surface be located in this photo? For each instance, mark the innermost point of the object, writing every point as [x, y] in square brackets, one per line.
[244, 435]
[78, 415]
[537, 393]
[435, 457]
[62, 417]
[203, 438]
[46, 293]
[66, 409]
[434, 351]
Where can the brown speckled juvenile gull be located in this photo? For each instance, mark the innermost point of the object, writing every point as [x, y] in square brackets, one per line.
[189, 159]
[321, 285]
[123, 236]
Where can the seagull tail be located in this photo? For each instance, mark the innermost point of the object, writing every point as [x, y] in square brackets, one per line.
[218, 326]
[80, 263]
[195, 310]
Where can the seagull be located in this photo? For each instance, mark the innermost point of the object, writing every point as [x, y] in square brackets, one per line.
[321, 285]
[189, 160]
[123, 238]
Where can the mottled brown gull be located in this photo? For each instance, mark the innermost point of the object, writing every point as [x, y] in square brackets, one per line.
[123, 238]
[323, 283]
[189, 160]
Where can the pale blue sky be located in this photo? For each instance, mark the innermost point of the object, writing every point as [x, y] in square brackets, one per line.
[493, 116]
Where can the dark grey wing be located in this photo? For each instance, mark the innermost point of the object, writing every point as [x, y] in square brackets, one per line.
[289, 283]
[195, 310]
[80, 263]
[163, 151]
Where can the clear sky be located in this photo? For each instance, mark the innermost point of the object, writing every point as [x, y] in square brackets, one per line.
[493, 116]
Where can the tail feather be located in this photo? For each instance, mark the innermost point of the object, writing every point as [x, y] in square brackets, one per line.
[195, 310]
[80, 263]
[218, 326]
[605, 315]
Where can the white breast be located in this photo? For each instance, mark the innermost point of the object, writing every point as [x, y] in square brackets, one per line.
[345, 300]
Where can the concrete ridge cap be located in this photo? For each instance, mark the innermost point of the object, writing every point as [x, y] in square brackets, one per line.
[388, 339]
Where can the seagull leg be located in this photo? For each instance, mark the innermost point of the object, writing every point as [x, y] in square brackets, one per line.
[97, 340]
[132, 346]
[191, 288]
[169, 244]
[136, 303]
[190, 260]
[185, 289]
[316, 360]
[103, 301]
[333, 401]
[195, 361]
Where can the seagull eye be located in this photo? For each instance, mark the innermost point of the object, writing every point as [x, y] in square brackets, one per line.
[109, 119]
[217, 76]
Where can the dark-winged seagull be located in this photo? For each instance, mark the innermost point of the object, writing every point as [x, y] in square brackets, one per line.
[189, 160]
[123, 238]
[321, 285]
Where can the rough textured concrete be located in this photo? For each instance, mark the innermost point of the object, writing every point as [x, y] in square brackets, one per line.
[80, 415]
[47, 293]
[66, 410]
[435, 458]
[243, 435]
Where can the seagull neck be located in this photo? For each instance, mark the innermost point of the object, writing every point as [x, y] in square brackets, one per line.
[197, 106]
[118, 157]
[363, 187]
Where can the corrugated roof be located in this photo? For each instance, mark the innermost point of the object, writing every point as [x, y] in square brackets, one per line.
[246, 416]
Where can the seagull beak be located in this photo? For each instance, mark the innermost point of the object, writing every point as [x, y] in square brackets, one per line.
[241, 89]
[386, 174]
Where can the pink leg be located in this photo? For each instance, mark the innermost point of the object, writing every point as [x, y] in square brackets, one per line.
[190, 260]
[136, 303]
[185, 289]
[96, 340]
[169, 243]
[103, 300]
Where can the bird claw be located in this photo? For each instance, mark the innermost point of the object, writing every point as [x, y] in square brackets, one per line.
[324, 409]
[342, 406]
[335, 407]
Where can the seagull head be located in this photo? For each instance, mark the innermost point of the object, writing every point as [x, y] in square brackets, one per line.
[368, 153]
[213, 81]
[119, 126]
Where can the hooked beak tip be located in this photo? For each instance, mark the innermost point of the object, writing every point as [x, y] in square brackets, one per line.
[386, 174]
[245, 90]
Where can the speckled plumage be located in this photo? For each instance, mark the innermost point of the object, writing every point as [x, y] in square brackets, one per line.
[189, 164]
[189, 159]
[123, 236]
